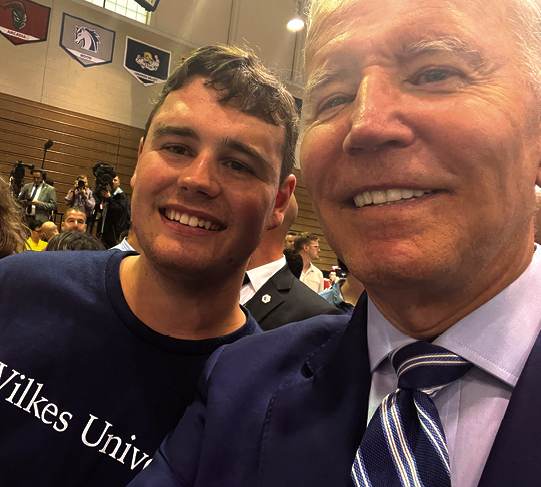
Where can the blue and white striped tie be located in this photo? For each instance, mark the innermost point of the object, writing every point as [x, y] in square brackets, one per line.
[404, 444]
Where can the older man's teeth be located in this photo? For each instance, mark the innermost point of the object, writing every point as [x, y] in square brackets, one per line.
[388, 197]
[191, 221]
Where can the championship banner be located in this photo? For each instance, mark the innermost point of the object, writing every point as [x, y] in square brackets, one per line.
[23, 21]
[88, 43]
[147, 63]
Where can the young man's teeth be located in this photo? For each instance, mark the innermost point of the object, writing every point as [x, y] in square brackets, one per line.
[191, 221]
[388, 196]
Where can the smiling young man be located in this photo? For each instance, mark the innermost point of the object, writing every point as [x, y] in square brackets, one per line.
[421, 152]
[88, 393]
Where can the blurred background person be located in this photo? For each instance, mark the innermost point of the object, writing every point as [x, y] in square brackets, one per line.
[344, 292]
[127, 241]
[48, 231]
[13, 232]
[81, 196]
[74, 221]
[272, 294]
[294, 262]
[35, 242]
[307, 245]
[114, 219]
[289, 241]
[38, 197]
[74, 241]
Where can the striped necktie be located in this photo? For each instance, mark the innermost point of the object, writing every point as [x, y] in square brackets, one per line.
[404, 444]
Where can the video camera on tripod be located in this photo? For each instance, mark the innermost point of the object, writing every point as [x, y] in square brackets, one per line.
[16, 177]
[104, 175]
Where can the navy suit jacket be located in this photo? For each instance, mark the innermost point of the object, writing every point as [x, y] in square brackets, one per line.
[289, 408]
[288, 300]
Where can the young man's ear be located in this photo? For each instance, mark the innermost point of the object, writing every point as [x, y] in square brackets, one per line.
[282, 201]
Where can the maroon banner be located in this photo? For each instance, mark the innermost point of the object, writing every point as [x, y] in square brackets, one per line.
[23, 21]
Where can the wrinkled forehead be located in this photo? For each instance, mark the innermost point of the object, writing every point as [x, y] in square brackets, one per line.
[332, 20]
[75, 215]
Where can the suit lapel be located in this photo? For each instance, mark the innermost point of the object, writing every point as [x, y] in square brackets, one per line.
[313, 426]
[514, 457]
[268, 297]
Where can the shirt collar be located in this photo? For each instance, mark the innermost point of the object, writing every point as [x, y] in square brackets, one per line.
[260, 275]
[497, 337]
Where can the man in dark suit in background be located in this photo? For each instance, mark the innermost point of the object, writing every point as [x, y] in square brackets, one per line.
[38, 197]
[115, 214]
[421, 151]
[273, 295]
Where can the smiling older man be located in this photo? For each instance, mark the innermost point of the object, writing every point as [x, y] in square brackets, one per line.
[421, 151]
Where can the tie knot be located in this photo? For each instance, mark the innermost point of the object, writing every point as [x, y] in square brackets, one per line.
[427, 367]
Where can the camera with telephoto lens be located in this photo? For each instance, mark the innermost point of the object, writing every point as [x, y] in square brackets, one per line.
[104, 175]
[80, 184]
[17, 176]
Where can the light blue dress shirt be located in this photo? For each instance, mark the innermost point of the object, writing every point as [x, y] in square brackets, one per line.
[497, 339]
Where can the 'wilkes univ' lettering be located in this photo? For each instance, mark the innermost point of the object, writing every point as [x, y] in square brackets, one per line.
[50, 414]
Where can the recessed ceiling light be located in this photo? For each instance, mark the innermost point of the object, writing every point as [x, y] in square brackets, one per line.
[295, 24]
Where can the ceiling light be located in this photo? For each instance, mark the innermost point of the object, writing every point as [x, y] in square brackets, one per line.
[295, 24]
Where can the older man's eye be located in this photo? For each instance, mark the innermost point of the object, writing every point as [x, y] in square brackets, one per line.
[434, 75]
[334, 102]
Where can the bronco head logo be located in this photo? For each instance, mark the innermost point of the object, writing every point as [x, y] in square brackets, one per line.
[86, 38]
[18, 14]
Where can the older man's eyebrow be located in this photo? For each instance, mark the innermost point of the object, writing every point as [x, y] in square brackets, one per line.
[450, 44]
[243, 148]
[319, 81]
[175, 130]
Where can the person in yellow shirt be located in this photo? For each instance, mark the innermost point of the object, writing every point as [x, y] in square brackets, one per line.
[34, 242]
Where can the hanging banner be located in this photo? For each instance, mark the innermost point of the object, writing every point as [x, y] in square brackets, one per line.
[23, 21]
[149, 64]
[89, 43]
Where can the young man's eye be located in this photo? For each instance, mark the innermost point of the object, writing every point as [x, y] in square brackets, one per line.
[239, 166]
[177, 149]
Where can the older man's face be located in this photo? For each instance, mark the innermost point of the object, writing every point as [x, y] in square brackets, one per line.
[422, 144]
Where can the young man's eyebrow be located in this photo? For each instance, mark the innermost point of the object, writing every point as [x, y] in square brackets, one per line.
[175, 130]
[239, 146]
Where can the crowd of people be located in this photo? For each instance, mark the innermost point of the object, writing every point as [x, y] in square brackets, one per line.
[421, 151]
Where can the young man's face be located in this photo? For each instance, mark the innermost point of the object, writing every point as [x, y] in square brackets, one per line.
[74, 222]
[312, 250]
[206, 183]
[420, 106]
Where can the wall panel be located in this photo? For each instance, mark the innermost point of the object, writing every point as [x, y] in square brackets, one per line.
[80, 141]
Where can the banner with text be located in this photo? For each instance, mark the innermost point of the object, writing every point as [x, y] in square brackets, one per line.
[149, 64]
[24, 21]
[88, 43]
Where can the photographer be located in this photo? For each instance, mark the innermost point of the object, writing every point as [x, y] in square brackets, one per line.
[81, 195]
[114, 218]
